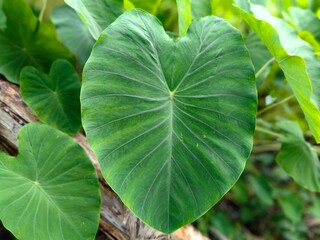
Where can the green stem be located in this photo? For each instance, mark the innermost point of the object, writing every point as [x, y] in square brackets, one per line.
[271, 133]
[43, 9]
[275, 105]
[261, 70]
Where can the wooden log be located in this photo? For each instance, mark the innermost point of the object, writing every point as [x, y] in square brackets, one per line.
[116, 222]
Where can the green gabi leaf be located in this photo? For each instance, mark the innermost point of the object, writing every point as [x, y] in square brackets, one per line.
[3, 18]
[171, 122]
[305, 20]
[200, 8]
[260, 56]
[295, 57]
[184, 16]
[298, 158]
[25, 41]
[55, 98]
[73, 33]
[50, 190]
[97, 15]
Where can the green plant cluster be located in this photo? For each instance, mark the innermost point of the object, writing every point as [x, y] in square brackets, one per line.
[174, 97]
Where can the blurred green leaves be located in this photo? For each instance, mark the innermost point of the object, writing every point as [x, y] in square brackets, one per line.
[25, 41]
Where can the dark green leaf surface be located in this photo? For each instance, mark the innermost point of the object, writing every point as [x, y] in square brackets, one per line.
[73, 33]
[171, 122]
[298, 158]
[50, 190]
[98, 14]
[25, 41]
[55, 98]
[296, 59]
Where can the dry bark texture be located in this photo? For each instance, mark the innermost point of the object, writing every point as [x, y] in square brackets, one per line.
[117, 222]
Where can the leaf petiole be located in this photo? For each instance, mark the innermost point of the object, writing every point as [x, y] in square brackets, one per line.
[275, 105]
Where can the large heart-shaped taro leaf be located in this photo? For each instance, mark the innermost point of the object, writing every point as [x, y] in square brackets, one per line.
[54, 97]
[50, 190]
[25, 41]
[170, 121]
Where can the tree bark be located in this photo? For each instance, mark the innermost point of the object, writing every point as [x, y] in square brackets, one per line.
[116, 221]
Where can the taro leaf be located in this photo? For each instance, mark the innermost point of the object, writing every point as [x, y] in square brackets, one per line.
[170, 121]
[200, 8]
[297, 157]
[3, 18]
[260, 56]
[97, 15]
[296, 59]
[305, 20]
[50, 190]
[26, 41]
[54, 97]
[184, 16]
[292, 205]
[72, 32]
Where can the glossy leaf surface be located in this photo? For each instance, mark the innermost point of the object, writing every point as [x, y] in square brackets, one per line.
[298, 158]
[170, 121]
[97, 15]
[72, 32]
[50, 190]
[25, 41]
[54, 97]
[296, 59]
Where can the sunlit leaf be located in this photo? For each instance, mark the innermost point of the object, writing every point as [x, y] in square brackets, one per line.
[98, 14]
[54, 97]
[25, 41]
[50, 190]
[151, 5]
[161, 117]
[298, 158]
[184, 16]
[296, 59]
[305, 20]
[73, 33]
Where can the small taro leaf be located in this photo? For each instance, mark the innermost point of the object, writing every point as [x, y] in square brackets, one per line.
[297, 157]
[262, 189]
[170, 121]
[292, 206]
[184, 16]
[305, 20]
[97, 15]
[25, 41]
[260, 56]
[50, 190]
[73, 33]
[295, 57]
[55, 98]
[200, 8]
